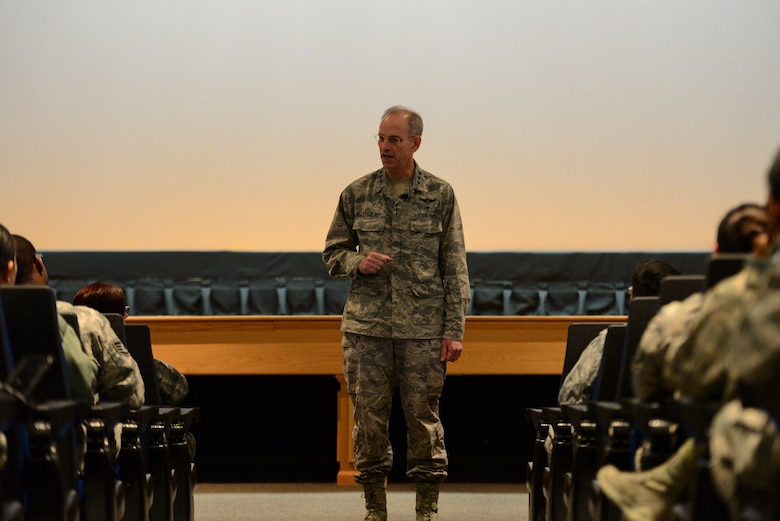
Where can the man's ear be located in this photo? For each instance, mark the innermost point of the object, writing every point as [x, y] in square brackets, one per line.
[774, 208]
[416, 141]
[38, 264]
[8, 270]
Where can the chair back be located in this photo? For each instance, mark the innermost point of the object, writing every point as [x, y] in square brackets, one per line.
[33, 329]
[724, 265]
[117, 322]
[606, 385]
[139, 343]
[641, 311]
[6, 359]
[679, 287]
[579, 335]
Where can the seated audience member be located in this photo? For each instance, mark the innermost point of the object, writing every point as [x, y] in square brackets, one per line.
[110, 298]
[727, 351]
[7, 257]
[118, 376]
[81, 369]
[656, 368]
[577, 387]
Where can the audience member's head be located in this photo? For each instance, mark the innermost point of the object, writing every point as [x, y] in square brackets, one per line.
[31, 269]
[774, 196]
[102, 296]
[774, 178]
[8, 264]
[741, 227]
[647, 277]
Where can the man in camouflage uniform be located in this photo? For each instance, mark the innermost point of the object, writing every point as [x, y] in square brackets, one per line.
[397, 234]
[661, 364]
[82, 370]
[118, 376]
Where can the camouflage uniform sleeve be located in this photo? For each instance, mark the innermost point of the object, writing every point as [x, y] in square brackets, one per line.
[697, 366]
[82, 370]
[119, 378]
[669, 328]
[340, 254]
[753, 360]
[173, 385]
[455, 273]
[577, 387]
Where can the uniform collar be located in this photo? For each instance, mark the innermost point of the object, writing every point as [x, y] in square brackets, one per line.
[416, 183]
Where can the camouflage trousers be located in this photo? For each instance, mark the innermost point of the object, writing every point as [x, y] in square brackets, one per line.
[373, 367]
[744, 448]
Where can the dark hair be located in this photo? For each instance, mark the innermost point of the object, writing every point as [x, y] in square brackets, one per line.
[774, 178]
[740, 226]
[648, 275]
[25, 255]
[102, 296]
[7, 247]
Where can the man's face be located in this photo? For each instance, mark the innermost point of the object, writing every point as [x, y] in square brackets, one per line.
[397, 158]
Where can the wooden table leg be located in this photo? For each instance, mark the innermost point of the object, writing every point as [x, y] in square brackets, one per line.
[344, 425]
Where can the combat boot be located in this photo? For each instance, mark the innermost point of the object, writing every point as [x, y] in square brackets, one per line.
[427, 505]
[375, 494]
[649, 495]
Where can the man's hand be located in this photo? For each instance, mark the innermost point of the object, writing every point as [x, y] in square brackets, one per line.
[373, 263]
[450, 350]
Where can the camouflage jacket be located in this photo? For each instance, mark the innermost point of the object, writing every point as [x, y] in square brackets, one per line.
[119, 378]
[698, 366]
[424, 292]
[754, 359]
[577, 387]
[664, 333]
[82, 368]
[172, 384]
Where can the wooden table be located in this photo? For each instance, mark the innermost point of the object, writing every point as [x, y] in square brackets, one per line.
[311, 345]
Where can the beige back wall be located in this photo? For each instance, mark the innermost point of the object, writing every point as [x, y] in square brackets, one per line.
[234, 125]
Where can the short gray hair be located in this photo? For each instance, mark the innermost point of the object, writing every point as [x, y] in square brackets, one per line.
[415, 120]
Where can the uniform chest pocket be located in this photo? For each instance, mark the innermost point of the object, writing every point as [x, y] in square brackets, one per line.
[426, 226]
[368, 224]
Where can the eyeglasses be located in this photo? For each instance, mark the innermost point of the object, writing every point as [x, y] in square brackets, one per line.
[127, 310]
[393, 140]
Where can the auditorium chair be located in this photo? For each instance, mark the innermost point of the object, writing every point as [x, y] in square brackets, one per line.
[655, 424]
[11, 414]
[181, 419]
[679, 287]
[612, 418]
[703, 503]
[14, 407]
[724, 265]
[155, 437]
[587, 445]
[696, 415]
[578, 337]
[133, 466]
[53, 475]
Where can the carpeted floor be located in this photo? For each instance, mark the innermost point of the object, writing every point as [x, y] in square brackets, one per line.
[326, 502]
